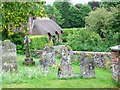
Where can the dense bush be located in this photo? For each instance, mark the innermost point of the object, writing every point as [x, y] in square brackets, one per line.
[99, 21]
[84, 40]
[81, 39]
[18, 40]
[106, 24]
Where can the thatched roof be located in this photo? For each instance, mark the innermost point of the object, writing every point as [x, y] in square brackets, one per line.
[44, 26]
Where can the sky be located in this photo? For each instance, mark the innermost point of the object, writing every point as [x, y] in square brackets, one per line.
[72, 1]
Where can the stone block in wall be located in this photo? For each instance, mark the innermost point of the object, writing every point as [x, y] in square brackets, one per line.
[76, 56]
[9, 56]
[108, 61]
[87, 68]
[99, 60]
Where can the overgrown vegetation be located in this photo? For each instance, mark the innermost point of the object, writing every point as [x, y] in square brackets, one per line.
[81, 39]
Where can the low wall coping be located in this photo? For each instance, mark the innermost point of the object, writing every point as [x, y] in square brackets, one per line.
[102, 53]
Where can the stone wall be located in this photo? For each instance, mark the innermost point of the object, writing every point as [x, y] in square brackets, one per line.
[9, 56]
[87, 60]
[102, 59]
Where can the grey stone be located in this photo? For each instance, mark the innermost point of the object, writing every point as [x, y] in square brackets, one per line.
[28, 59]
[87, 68]
[9, 56]
[49, 55]
[65, 69]
[43, 66]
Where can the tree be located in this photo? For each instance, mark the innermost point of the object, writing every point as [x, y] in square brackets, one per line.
[78, 6]
[15, 14]
[52, 12]
[94, 4]
[74, 18]
[63, 8]
[72, 15]
[108, 5]
[85, 10]
[114, 26]
[106, 24]
[98, 21]
[77, 16]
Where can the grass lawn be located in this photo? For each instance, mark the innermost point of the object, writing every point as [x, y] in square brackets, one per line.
[31, 77]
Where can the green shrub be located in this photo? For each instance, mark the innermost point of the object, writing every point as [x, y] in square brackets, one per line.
[67, 31]
[84, 40]
[18, 40]
[38, 42]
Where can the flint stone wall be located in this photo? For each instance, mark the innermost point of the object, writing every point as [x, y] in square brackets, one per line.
[9, 56]
[101, 59]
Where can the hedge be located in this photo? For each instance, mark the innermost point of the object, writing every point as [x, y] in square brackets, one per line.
[67, 32]
[38, 42]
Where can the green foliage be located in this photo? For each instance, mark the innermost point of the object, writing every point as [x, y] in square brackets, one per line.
[52, 12]
[114, 35]
[18, 40]
[63, 7]
[98, 21]
[15, 14]
[77, 16]
[82, 39]
[109, 5]
[106, 24]
[66, 32]
[73, 16]
[38, 42]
